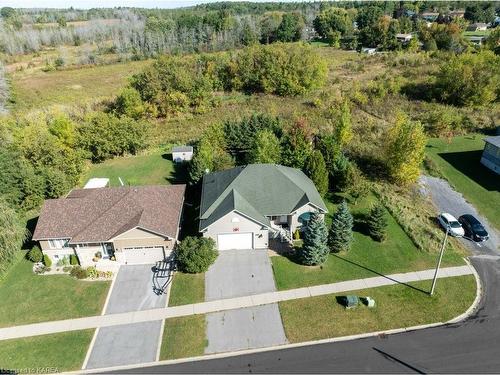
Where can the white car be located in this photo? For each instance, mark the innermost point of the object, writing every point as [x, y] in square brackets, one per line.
[448, 221]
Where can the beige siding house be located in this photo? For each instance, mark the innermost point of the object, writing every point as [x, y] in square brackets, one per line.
[107, 227]
[246, 207]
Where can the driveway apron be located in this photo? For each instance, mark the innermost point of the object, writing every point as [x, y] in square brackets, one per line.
[239, 273]
[129, 343]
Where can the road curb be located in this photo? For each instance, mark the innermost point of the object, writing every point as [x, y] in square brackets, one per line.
[477, 300]
[457, 319]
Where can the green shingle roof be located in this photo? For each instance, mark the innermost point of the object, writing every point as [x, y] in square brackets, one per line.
[256, 191]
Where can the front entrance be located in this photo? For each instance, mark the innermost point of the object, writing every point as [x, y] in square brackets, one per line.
[144, 254]
[235, 241]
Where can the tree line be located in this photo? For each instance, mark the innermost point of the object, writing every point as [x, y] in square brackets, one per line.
[213, 27]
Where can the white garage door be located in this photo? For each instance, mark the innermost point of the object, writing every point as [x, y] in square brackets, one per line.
[144, 254]
[235, 241]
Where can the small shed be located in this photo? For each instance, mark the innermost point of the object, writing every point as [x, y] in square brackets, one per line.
[95, 183]
[182, 153]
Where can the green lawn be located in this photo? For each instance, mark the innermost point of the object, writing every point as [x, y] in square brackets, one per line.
[155, 169]
[183, 337]
[187, 288]
[476, 33]
[29, 298]
[458, 162]
[48, 353]
[365, 259]
[396, 306]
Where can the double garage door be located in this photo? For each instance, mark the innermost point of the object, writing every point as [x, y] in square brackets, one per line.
[235, 241]
[145, 254]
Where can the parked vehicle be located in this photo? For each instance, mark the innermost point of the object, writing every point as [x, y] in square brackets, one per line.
[447, 220]
[473, 228]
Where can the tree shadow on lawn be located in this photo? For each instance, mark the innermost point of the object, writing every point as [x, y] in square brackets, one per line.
[28, 243]
[360, 224]
[191, 211]
[180, 173]
[468, 163]
[379, 274]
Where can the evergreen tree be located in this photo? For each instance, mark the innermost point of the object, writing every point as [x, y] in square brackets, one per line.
[315, 248]
[341, 172]
[315, 169]
[340, 235]
[296, 146]
[377, 223]
[266, 149]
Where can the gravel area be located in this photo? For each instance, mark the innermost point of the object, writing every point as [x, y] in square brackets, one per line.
[448, 200]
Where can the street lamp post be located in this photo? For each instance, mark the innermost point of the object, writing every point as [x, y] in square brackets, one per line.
[439, 261]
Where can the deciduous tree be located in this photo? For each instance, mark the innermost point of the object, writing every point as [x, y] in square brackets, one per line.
[405, 150]
[266, 148]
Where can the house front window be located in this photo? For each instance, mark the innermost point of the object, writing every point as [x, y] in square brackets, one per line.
[58, 243]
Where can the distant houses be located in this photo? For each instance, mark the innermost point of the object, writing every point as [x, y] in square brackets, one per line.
[404, 38]
[491, 154]
[478, 26]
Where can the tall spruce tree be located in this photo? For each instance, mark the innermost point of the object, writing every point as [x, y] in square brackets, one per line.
[377, 223]
[340, 235]
[315, 169]
[315, 248]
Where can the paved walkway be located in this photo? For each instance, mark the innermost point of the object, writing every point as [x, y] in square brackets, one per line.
[224, 304]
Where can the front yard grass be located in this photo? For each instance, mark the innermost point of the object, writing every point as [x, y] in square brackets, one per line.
[46, 354]
[366, 258]
[187, 288]
[29, 298]
[183, 337]
[396, 306]
[459, 162]
[155, 169]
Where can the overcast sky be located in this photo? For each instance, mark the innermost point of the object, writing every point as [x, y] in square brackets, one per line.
[85, 4]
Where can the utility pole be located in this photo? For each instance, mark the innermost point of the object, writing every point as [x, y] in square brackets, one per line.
[439, 261]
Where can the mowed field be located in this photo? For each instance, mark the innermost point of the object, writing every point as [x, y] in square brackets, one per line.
[35, 89]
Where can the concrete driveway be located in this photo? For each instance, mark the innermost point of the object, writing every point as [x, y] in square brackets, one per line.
[238, 273]
[129, 343]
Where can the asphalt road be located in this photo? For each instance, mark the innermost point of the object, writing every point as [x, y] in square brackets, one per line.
[470, 346]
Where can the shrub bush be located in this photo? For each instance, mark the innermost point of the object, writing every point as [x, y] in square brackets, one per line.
[47, 261]
[35, 254]
[79, 272]
[92, 273]
[67, 269]
[195, 254]
[104, 135]
[73, 260]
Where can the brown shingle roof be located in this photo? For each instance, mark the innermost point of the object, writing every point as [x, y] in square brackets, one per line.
[95, 215]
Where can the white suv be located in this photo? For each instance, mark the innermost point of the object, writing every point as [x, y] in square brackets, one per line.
[448, 221]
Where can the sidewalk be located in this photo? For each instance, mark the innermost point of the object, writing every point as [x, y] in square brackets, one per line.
[224, 304]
